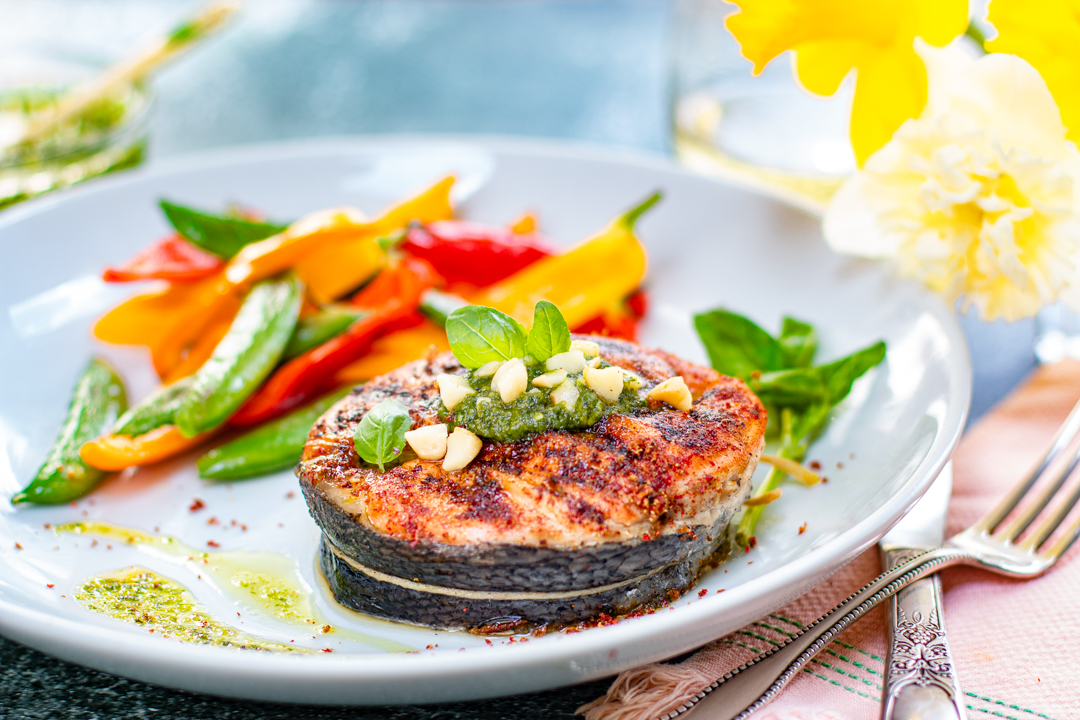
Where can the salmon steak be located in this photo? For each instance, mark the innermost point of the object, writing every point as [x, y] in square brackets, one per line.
[555, 529]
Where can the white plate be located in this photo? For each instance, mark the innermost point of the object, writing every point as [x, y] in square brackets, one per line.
[709, 244]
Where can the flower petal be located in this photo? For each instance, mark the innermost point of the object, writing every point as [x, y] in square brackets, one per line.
[1048, 37]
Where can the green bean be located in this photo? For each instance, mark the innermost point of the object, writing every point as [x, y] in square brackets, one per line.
[97, 402]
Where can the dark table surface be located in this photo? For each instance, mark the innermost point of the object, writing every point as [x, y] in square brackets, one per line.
[587, 70]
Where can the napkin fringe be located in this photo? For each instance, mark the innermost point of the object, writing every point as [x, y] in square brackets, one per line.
[647, 692]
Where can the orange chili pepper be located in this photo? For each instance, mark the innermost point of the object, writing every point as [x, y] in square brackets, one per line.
[333, 269]
[117, 452]
[392, 351]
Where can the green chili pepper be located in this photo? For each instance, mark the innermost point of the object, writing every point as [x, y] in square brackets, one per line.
[316, 329]
[97, 402]
[277, 445]
[156, 410]
[245, 356]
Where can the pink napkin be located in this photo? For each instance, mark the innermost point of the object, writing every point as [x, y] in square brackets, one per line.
[1016, 643]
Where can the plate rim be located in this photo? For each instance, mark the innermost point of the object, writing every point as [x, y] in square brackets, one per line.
[136, 656]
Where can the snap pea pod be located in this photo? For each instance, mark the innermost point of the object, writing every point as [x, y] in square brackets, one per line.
[245, 356]
[156, 410]
[437, 305]
[97, 402]
[316, 329]
[277, 445]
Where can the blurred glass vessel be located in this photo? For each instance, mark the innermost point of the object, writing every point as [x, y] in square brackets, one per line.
[766, 131]
[110, 135]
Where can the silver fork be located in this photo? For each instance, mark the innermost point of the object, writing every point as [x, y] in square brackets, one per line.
[1021, 547]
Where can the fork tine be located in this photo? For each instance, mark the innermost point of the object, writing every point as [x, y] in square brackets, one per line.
[1045, 529]
[1029, 513]
[1065, 435]
[1063, 543]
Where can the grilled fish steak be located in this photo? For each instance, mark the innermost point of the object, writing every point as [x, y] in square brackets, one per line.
[553, 529]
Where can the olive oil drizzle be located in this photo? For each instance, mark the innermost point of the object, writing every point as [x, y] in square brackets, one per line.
[163, 606]
[262, 583]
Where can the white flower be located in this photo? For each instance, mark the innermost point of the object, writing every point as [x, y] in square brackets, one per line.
[979, 197]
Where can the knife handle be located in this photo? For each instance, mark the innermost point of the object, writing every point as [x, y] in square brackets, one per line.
[920, 675]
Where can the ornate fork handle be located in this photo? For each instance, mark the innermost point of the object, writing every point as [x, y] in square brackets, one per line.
[760, 679]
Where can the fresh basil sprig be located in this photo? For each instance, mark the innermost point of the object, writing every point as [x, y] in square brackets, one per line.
[549, 334]
[380, 436]
[780, 371]
[479, 335]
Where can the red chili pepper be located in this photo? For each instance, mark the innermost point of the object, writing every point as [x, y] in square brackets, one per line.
[305, 377]
[404, 282]
[174, 258]
[476, 254]
[620, 322]
[392, 299]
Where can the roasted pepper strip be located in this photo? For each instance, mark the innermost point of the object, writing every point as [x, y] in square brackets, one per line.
[277, 445]
[406, 282]
[244, 357]
[97, 402]
[117, 452]
[202, 347]
[479, 255]
[392, 351]
[316, 329]
[584, 281]
[336, 268]
[173, 258]
[308, 375]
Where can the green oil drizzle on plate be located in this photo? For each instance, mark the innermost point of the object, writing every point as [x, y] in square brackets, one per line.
[262, 583]
[165, 607]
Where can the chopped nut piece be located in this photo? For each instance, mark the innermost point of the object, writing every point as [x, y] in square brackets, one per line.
[587, 347]
[510, 380]
[607, 382]
[632, 380]
[428, 442]
[594, 363]
[461, 447]
[488, 368]
[549, 380]
[674, 392]
[572, 361]
[566, 394]
[452, 388]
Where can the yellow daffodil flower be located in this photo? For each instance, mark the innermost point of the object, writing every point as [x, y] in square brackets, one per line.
[831, 37]
[1047, 35]
[979, 197]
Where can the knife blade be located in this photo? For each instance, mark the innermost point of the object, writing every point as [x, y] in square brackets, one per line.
[920, 675]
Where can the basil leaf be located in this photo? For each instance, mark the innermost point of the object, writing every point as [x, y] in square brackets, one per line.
[380, 436]
[736, 346]
[479, 334]
[838, 376]
[795, 387]
[220, 235]
[549, 335]
[798, 341]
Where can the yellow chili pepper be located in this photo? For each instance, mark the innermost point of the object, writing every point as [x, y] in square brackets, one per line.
[583, 282]
[117, 452]
[318, 238]
[334, 269]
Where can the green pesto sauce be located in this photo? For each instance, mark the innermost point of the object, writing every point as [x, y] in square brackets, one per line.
[484, 413]
[164, 607]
